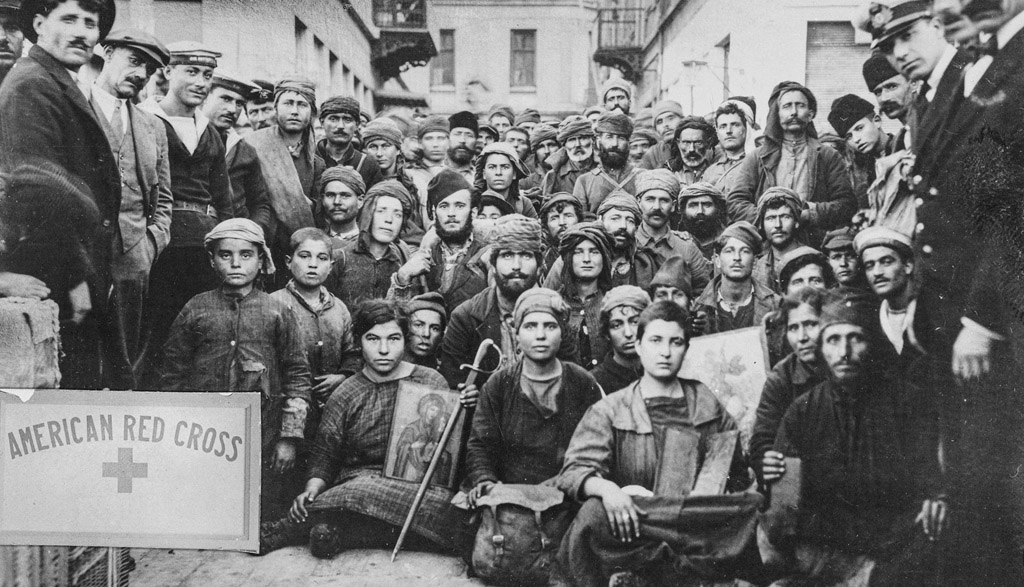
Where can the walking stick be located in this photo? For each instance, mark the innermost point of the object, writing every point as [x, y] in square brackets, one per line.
[439, 449]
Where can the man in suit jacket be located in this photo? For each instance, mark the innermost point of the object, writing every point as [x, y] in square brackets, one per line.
[44, 116]
[139, 142]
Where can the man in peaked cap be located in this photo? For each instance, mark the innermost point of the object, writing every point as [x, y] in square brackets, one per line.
[11, 37]
[139, 144]
[44, 116]
[259, 106]
[339, 116]
[893, 92]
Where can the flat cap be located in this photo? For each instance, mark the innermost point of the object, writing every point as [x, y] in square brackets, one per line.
[141, 41]
[837, 239]
[745, 233]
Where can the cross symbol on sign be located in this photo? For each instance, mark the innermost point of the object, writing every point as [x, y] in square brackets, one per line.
[125, 470]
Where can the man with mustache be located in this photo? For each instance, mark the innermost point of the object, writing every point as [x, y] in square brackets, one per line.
[692, 148]
[855, 121]
[733, 299]
[778, 219]
[201, 189]
[223, 107]
[702, 215]
[139, 142]
[734, 123]
[11, 37]
[341, 197]
[339, 116]
[617, 95]
[893, 92]
[576, 157]
[515, 256]
[794, 158]
[657, 191]
[614, 172]
[667, 115]
[888, 260]
[462, 136]
[259, 108]
[44, 116]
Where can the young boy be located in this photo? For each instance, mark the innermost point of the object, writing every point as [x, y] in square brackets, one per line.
[238, 338]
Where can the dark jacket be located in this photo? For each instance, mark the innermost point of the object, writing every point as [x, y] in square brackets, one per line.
[249, 190]
[612, 376]
[764, 302]
[365, 165]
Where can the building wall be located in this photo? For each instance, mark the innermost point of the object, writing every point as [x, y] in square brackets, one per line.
[564, 49]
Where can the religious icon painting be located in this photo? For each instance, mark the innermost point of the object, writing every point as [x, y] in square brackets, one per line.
[421, 414]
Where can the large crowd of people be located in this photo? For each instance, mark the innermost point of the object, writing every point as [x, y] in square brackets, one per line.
[203, 232]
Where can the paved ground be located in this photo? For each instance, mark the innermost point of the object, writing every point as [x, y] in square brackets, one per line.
[295, 567]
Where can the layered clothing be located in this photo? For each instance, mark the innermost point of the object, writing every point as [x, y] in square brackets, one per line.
[594, 186]
[364, 165]
[290, 183]
[456, 275]
[564, 173]
[678, 244]
[762, 303]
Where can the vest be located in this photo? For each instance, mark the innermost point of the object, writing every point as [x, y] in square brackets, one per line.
[131, 217]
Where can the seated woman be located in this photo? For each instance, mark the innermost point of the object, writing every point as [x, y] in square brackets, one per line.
[347, 502]
[636, 514]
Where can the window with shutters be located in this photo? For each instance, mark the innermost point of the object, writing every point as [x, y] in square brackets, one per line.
[442, 72]
[524, 59]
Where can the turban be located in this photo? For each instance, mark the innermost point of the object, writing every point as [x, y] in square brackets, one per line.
[625, 295]
[772, 196]
[673, 273]
[464, 120]
[594, 110]
[340, 105]
[881, 236]
[541, 133]
[432, 124]
[528, 115]
[667, 107]
[574, 126]
[442, 185]
[620, 200]
[346, 175]
[744, 232]
[748, 104]
[592, 231]
[616, 83]
[790, 261]
[847, 111]
[657, 179]
[700, 189]
[644, 118]
[558, 198]
[516, 232]
[877, 69]
[644, 134]
[837, 239]
[506, 150]
[242, 229]
[615, 123]
[382, 129]
[300, 85]
[773, 123]
[433, 301]
[849, 306]
[540, 299]
[501, 110]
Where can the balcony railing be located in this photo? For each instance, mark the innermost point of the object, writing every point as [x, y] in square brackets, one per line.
[400, 14]
[621, 28]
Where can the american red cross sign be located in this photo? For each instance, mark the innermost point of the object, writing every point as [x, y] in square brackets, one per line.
[150, 470]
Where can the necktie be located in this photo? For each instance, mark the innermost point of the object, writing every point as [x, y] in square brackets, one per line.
[115, 123]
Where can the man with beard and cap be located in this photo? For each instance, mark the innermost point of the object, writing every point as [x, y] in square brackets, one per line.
[558, 213]
[667, 116]
[640, 142]
[339, 117]
[734, 299]
[11, 37]
[259, 107]
[616, 94]
[576, 157]
[702, 215]
[657, 192]
[46, 118]
[222, 108]
[778, 219]
[464, 129]
[614, 171]
[855, 122]
[139, 142]
[620, 312]
[893, 92]
[794, 158]
[287, 153]
[872, 500]
[692, 149]
[734, 123]
[341, 192]
[501, 117]
[499, 169]
[515, 257]
[200, 185]
[543, 144]
[427, 320]
[585, 252]
[453, 263]
[527, 119]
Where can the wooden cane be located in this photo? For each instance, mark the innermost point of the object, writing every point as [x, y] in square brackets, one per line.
[439, 449]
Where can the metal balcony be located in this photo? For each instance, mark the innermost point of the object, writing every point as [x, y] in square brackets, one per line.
[404, 39]
[620, 40]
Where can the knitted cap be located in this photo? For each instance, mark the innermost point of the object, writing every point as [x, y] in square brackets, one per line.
[615, 122]
[432, 124]
[340, 105]
[382, 129]
[620, 200]
[540, 299]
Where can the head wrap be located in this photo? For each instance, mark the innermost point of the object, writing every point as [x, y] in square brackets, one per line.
[596, 109]
[625, 295]
[516, 232]
[657, 179]
[644, 134]
[673, 273]
[242, 229]
[750, 104]
[382, 128]
[837, 239]
[386, 187]
[702, 188]
[849, 306]
[442, 185]
[301, 85]
[506, 150]
[340, 105]
[574, 126]
[881, 236]
[541, 133]
[464, 119]
[540, 299]
[790, 260]
[431, 300]
[501, 110]
[528, 115]
[615, 83]
[493, 198]
[847, 111]
[432, 124]
[877, 69]
[744, 232]
[773, 123]
[616, 123]
[667, 107]
[771, 196]
[743, 104]
[346, 175]
[558, 198]
[592, 231]
[620, 200]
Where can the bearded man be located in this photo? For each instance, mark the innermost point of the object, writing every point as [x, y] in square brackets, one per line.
[576, 157]
[615, 172]
[702, 215]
